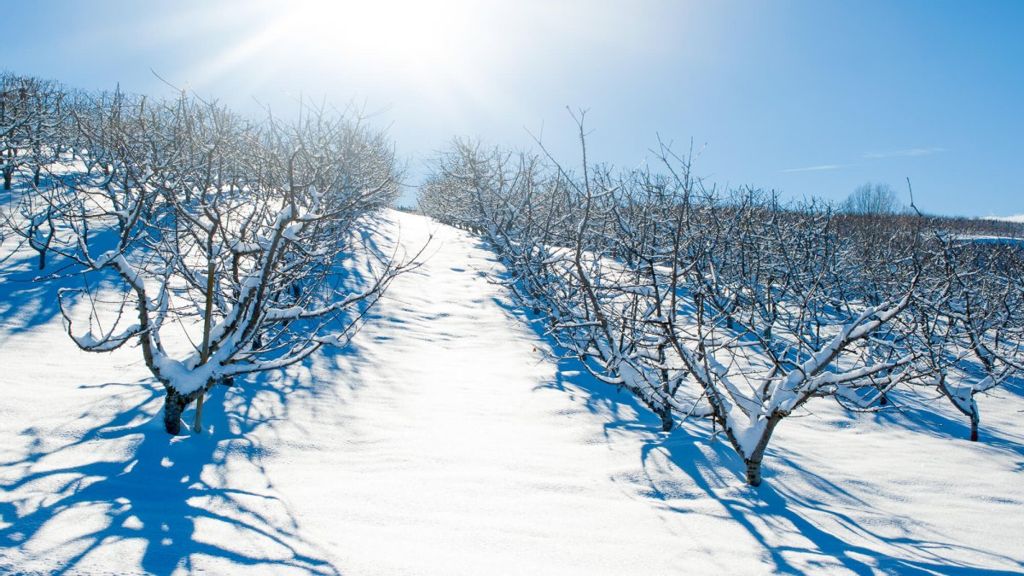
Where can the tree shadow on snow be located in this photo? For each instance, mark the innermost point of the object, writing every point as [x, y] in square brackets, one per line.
[28, 296]
[800, 530]
[934, 415]
[25, 301]
[123, 486]
[126, 482]
[690, 465]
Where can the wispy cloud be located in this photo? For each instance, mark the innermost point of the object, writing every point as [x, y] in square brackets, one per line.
[819, 168]
[906, 153]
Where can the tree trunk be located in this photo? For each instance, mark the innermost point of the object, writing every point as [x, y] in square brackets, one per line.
[42, 259]
[969, 409]
[174, 405]
[754, 461]
[7, 180]
[753, 472]
[197, 426]
[666, 419]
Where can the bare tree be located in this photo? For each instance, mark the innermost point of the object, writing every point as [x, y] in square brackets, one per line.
[739, 309]
[221, 233]
[771, 328]
[977, 327]
[37, 135]
[32, 117]
[872, 198]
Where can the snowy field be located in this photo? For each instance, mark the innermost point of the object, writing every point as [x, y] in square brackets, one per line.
[449, 440]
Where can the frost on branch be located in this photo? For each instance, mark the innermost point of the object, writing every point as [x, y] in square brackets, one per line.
[216, 244]
[732, 307]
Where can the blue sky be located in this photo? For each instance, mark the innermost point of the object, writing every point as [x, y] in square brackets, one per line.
[809, 97]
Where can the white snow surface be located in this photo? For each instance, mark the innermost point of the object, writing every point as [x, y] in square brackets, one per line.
[448, 440]
[1013, 218]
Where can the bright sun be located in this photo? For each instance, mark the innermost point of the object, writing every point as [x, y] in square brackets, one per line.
[412, 35]
[434, 47]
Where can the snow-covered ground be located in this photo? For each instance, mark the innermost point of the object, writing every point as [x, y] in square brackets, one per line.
[448, 440]
[1014, 218]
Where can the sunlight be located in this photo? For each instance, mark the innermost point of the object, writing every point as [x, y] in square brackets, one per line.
[431, 48]
[596, 287]
[421, 37]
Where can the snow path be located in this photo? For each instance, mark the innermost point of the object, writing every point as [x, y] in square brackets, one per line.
[452, 456]
[446, 440]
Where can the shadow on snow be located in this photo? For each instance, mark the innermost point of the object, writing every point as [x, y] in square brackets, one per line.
[70, 496]
[158, 490]
[767, 513]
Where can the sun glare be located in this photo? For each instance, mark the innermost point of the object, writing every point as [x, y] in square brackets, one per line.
[430, 47]
[407, 34]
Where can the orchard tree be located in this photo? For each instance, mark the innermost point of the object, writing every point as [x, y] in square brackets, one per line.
[872, 198]
[977, 328]
[222, 233]
[739, 308]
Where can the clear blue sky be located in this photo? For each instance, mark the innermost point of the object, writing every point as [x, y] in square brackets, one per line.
[810, 97]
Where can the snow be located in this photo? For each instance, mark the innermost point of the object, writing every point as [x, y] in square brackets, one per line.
[446, 439]
[989, 239]
[1013, 218]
